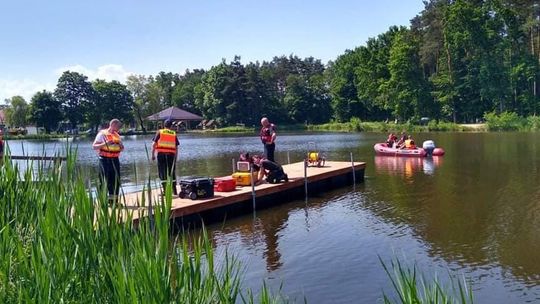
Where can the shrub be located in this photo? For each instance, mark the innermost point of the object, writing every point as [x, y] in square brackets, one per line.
[506, 121]
[533, 123]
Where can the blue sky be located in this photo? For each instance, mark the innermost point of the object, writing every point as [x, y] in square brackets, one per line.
[112, 39]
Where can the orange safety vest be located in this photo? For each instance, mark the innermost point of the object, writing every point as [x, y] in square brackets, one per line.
[166, 142]
[110, 151]
[409, 144]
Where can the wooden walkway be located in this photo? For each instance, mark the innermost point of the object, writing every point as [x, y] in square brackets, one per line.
[243, 195]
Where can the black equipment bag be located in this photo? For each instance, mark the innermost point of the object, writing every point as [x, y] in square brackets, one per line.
[196, 187]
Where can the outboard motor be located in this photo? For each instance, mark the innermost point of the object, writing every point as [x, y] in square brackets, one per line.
[428, 146]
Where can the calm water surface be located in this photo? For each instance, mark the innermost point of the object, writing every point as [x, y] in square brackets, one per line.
[474, 212]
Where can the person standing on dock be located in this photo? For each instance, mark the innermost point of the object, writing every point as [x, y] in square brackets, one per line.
[268, 137]
[166, 144]
[109, 146]
[1, 147]
[1, 143]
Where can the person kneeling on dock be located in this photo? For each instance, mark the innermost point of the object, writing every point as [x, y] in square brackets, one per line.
[166, 144]
[273, 171]
[109, 145]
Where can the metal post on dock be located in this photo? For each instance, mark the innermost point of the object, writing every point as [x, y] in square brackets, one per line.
[288, 158]
[353, 171]
[233, 165]
[305, 178]
[252, 186]
[150, 207]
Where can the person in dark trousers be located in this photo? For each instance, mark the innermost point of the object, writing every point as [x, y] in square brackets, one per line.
[1, 142]
[273, 171]
[1, 147]
[109, 146]
[268, 137]
[166, 144]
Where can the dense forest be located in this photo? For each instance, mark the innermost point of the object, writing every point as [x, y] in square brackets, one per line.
[456, 61]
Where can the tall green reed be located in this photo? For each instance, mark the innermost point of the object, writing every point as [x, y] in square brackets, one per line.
[412, 287]
[59, 243]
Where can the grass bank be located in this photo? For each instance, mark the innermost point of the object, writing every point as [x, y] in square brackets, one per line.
[243, 129]
[36, 136]
[355, 125]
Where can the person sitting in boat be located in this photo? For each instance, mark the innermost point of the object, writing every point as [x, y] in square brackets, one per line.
[392, 138]
[401, 142]
[273, 171]
[409, 143]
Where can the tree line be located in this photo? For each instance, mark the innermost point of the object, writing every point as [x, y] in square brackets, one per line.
[456, 61]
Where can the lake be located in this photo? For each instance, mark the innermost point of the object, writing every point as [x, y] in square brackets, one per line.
[474, 212]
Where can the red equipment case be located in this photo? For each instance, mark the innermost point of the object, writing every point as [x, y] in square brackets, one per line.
[224, 184]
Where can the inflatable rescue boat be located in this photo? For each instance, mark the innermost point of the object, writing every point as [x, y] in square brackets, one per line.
[428, 149]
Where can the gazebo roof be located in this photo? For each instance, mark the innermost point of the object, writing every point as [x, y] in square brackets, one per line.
[174, 113]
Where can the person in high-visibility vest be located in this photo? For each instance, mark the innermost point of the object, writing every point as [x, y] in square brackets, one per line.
[166, 144]
[1, 143]
[109, 146]
[268, 137]
[1, 147]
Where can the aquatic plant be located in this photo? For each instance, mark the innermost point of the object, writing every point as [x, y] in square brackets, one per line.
[410, 286]
[59, 243]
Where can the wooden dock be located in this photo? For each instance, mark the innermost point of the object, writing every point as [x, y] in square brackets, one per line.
[319, 179]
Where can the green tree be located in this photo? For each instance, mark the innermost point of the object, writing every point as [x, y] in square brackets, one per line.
[76, 95]
[372, 73]
[184, 94]
[137, 85]
[45, 110]
[407, 90]
[167, 82]
[307, 101]
[17, 111]
[223, 97]
[341, 76]
[112, 100]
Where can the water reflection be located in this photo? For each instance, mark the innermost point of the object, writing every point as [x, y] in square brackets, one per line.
[407, 166]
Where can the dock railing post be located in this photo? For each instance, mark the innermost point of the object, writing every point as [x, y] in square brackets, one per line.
[233, 165]
[150, 206]
[353, 171]
[305, 178]
[252, 185]
[288, 158]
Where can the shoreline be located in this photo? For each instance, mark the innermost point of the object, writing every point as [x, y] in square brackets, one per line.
[344, 127]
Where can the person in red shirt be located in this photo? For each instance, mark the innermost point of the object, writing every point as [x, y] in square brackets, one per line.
[268, 137]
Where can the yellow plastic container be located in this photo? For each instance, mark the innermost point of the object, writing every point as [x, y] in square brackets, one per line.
[313, 156]
[244, 178]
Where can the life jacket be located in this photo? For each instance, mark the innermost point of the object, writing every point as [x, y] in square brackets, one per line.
[108, 150]
[266, 133]
[409, 144]
[166, 142]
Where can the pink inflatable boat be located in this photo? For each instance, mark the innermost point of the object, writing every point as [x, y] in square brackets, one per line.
[383, 149]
